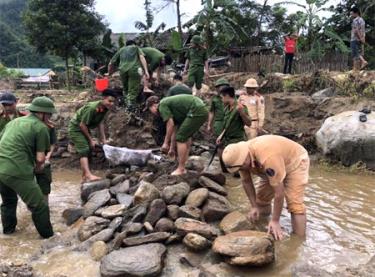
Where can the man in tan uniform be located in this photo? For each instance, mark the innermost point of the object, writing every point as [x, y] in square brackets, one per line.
[255, 106]
[283, 168]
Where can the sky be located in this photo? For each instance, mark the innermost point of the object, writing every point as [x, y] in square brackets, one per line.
[121, 14]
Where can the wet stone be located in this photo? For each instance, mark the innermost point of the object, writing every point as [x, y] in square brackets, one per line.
[211, 185]
[246, 248]
[197, 197]
[156, 211]
[235, 221]
[175, 238]
[188, 225]
[115, 223]
[118, 179]
[164, 225]
[146, 192]
[148, 227]
[72, 215]
[196, 242]
[120, 188]
[216, 177]
[92, 226]
[175, 194]
[189, 212]
[113, 211]
[214, 210]
[124, 199]
[173, 211]
[153, 237]
[143, 260]
[88, 188]
[98, 250]
[95, 201]
[196, 163]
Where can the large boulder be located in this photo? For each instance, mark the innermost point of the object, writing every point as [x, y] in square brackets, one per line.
[187, 225]
[235, 221]
[196, 163]
[146, 192]
[143, 260]
[197, 197]
[175, 194]
[216, 207]
[88, 188]
[345, 138]
[95, 201]
[92, 226]
[246, 248]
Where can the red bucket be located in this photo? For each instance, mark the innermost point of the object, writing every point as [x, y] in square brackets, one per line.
[101, 84]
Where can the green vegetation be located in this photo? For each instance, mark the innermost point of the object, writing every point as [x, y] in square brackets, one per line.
[9, 73]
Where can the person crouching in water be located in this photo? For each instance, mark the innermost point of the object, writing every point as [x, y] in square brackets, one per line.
[184, 115]
[283, 166]
[88, 117]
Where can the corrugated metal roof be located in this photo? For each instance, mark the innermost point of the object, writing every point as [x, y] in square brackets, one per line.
[34, 72]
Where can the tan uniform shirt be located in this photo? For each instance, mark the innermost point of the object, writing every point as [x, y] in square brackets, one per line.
[255, 107]
[275, 156]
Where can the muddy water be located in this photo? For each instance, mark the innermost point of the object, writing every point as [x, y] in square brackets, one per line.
[341, 231]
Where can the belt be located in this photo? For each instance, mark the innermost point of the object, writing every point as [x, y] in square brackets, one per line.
[255, 120]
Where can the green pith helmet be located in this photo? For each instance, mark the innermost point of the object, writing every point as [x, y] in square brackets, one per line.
[196, 40]
[222, 82]
[42, 104]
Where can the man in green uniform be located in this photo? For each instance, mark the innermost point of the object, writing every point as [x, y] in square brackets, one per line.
[216, 115]
[179, 87]
[44, 178]
[184, 115]
[196, 63]
[130, 59]
[89, 117]
[156, 60]
[235, 118]
[23, 145]
[8, 109]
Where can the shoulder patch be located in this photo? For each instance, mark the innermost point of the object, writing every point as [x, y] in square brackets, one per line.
[270, 172]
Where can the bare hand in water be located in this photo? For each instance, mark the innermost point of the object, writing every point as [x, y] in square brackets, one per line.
[274, 228]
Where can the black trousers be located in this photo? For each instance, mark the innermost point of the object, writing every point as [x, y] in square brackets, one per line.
[288, 63]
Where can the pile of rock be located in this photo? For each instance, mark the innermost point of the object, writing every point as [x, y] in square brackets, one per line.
[129, 219]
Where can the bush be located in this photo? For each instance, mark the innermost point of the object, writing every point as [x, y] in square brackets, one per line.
[9, 73]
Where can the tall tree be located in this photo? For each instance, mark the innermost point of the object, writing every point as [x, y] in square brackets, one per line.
[177, 4]
[63, 27]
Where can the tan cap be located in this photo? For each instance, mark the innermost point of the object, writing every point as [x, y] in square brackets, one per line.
[251, 83]
[234, 155]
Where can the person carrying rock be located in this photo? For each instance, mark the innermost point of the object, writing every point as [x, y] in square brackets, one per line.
[283, 168]
[235, 119]
[130, 59]
[23, 145]
[156, 61]
[178, 87]
[88, 117]
[216, 114]
[196, 63]
[184, 115]
[255, 105]
[9, 110]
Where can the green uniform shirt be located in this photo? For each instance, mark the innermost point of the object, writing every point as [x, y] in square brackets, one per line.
[217, 107]
[234, 125]
[90, 114]
[196, 56]
[5, 120]
[153, 57]
[179, 89]
[127, 57]
[20, 141]
[180, 107]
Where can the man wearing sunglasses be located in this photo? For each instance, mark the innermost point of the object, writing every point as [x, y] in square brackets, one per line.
[283, 168]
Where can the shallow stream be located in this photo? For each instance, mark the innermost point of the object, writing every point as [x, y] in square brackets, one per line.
[341, 231]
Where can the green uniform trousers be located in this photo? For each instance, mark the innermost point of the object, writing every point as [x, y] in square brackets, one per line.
[218, 127]
[31, 194]
[131, 82]
[80, 143]
[189, 127]
[195, 76]
[44, 179]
